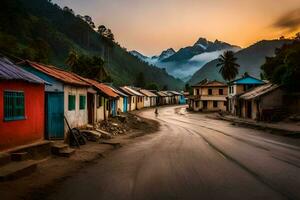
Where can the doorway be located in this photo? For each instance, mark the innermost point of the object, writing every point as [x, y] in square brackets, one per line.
[90, 107]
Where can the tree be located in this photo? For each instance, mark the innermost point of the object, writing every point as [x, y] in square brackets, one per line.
[187, 87]
[42, 50]
[88, 67]
[68, 10]
[152, 86]
[101, 30]
[72, 59]
[140, 80]
[284, 67]
[89, 21]
[165, 87]
[228, 66]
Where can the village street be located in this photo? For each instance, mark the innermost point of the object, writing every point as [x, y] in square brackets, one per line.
[192, 157]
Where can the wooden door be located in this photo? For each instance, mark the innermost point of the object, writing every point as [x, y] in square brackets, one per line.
[54, 115]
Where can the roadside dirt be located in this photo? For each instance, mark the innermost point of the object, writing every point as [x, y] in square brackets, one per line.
[54, 169]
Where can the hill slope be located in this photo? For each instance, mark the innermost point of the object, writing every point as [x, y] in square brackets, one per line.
[40, 29]
[250, 60]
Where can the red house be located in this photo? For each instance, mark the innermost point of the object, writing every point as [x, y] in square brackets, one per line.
[21, 106]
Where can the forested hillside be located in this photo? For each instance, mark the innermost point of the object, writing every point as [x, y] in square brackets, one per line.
[42, 31]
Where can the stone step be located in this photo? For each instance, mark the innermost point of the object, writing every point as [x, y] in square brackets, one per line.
[91, 135]
[112, 143]
[15, 170]
[20, 156]
[66, 152]
[57, 147]
[4, 159]
[104, 134]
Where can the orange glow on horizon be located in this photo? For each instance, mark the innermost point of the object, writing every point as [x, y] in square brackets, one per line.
[152, 26]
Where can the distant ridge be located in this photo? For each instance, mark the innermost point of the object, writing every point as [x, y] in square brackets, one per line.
[250, 60]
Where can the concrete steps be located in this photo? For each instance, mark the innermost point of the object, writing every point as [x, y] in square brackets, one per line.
[15, 170]
[22, 160]
[61, 149]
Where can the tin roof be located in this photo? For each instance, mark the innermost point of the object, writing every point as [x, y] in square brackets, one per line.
[206, 83]
[162, 94]
[147, 93]
[247, 80]
[119, 92]
[176, 93]
[169, 94]
[10, 71]
[102, 88]
[132, 91]
[59, 74]
[259, 91]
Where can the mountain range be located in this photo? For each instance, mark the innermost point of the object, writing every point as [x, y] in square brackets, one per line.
[195, 63]
[186, 61]
[250, 60]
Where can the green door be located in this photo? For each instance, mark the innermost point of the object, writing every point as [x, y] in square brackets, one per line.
[54, 115]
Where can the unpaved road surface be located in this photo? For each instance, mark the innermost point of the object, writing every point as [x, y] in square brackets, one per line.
[192, 157]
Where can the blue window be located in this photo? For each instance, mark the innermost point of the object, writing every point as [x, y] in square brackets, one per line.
[14, 105]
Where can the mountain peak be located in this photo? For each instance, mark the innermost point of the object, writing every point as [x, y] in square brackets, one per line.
[167, 53]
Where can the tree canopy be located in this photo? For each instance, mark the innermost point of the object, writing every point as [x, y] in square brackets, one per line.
[229, 69]
[284, 67]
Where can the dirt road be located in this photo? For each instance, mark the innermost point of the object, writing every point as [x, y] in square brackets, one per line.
[192, 157]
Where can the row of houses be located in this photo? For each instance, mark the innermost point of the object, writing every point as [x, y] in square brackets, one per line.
[38, 99]
[246, 97]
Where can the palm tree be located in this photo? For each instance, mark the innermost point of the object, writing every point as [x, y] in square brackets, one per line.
[229, 67]
[72, 59]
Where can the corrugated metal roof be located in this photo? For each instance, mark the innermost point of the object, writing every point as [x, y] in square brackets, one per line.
[247, 80]
[169, 94]
[258, 91]
[206, 83]
[147, 93]
[102, 87]
[133, 91]
[120, 93]
[176, 93]
[162, 94]
[10, 71]
[60, 74]
[126, 91]
[214, 84]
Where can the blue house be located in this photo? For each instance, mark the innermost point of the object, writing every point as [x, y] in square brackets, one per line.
[238, 87]
[65, 96]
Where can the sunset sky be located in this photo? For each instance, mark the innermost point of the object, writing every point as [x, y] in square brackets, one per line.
[151, 26]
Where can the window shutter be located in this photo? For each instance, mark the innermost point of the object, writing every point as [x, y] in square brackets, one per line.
[82, 101]
[71, 101]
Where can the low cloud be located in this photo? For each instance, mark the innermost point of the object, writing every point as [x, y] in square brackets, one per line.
[188, 68]
[289, 21]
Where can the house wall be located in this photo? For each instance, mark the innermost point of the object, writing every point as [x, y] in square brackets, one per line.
[140, 103]
[272, 100]
[77, 117]
[133, 102]
[120, 104]
[31, 129]
[215, 90]
[198, 105]
[101, 109]
[153, 101]
[147, 101]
